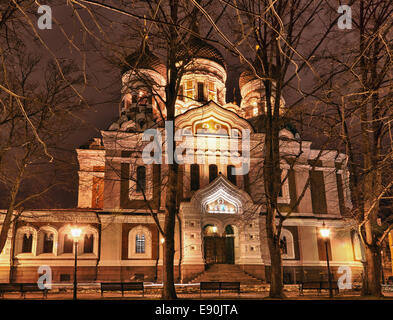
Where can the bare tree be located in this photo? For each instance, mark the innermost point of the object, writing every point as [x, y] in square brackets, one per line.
[282, 32]
[360, 100]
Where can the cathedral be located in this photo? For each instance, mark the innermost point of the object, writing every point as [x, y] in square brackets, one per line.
[221, 215]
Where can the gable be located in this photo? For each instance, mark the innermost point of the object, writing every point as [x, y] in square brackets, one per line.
[212, 119]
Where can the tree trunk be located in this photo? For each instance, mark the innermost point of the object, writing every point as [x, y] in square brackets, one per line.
[169, 291]
[372, 272]
[276, 284]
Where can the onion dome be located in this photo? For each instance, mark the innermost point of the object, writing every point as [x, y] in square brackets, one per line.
[249, 74]
[197, 48]
[143, 58]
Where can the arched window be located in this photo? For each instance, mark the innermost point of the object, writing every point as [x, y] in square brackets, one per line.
[140, 179]
[230, 174]
[140, 243]
[88, 243]
[68, 244]
[213, 172]
[201, 93]
[287, 244]
[48, 242]
[27, 243]
[26, 240]
[194, 177]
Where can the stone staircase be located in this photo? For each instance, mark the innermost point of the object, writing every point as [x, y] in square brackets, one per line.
[226, 272]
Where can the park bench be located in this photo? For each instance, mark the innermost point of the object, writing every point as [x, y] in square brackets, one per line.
[219, 286]
[317, 285]
[122, 286]
[23, 288]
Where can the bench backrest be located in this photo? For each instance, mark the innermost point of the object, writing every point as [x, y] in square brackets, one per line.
[325, 285]
[10, 286]
[30, 287]
[132, 285]
[230, 285]
[121, 286]
[111, 286]
[210, 285]
[311, 284]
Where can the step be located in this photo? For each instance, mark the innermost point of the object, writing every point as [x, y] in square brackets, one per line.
[226, 272]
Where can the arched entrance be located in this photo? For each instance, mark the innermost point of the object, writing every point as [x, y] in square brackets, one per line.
[218, 249]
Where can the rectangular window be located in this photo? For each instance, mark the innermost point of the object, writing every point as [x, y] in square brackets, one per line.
[212, 91]
[318, 195]
[189, 90]
[213, 172]
[97, 193]
[140, 243]
[140, 179]
[181, 93]
[230, 175]
[340, 192]
[201, 93]
[48, 243]
[68, 244]
[27, 244]
[322, 247]
[194, 177]
[88, 243]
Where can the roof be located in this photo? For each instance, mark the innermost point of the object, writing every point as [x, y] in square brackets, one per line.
[143, 58]
[197, 48]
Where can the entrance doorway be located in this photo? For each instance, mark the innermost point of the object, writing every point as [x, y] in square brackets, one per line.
[219, 249]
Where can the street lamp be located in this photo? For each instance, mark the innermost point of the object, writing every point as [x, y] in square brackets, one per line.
[76, 234]
[325, 233]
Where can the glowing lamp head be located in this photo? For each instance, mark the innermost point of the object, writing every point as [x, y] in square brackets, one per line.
[325, 232]
[214, 229]
[162, 240]
[76, 233]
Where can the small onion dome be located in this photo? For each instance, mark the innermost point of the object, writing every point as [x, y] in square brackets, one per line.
[249, 74]
[143, 58]
[197, 48]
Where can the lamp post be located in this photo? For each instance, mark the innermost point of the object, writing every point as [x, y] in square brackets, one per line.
[325, 233]
[75, 233]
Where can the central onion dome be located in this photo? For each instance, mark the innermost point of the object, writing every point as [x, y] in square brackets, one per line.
[249, 74]
[252, 88]
[197, 48]
[143, 58]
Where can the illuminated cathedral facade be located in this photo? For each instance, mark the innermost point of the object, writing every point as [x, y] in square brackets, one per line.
[221, 217]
